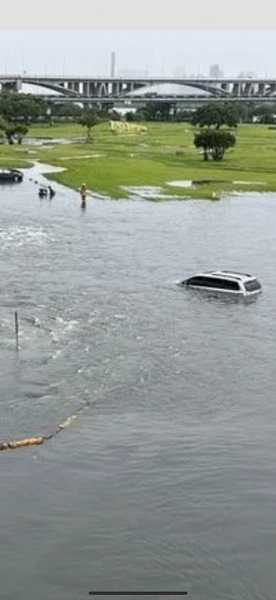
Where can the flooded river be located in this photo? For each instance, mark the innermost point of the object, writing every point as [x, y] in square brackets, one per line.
[167, 479]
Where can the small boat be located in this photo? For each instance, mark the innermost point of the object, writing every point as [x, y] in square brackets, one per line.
[10, 176]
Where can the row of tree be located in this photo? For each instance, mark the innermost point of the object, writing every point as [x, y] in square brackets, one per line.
[18, 111]
[27, 108]
[166, 111]
[22, 107]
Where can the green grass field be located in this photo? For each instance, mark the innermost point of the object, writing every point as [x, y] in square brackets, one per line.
[164, 153]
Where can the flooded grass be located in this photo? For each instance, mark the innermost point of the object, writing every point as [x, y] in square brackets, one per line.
[163, 158]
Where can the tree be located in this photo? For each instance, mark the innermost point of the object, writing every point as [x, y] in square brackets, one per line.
[3, 125]
[64, 109]
[183, 115]
[214, 142]
[21, 107]
[14, 131]
[130, 116]
[10, 132]
[265, 113]
[20, 130]
[217, 115]
[89, 119]
[154, 111]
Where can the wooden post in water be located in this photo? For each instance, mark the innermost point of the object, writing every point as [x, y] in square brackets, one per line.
[16, 329]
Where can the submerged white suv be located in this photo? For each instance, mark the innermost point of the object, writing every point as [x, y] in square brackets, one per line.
[225, 281]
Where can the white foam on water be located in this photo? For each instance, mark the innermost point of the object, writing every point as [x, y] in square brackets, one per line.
[54, 336]
[145, 191]
[33, 321]
[19, 235]
[81, 156]
[149, 192]
[249, 182]
[71, 325]
[64, 327]
[184, 183]
[60, 320]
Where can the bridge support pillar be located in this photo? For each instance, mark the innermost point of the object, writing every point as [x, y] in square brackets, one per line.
[236, 89]
[248, 89]
[260, 89]
[91, 89]
[102, 90]
[272, 89]
[12, 86]
[225, 87]
[18, 85]
[70, 86]
[119, 88]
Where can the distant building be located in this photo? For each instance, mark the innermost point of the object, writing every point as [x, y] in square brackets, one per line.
[113, 64]
[247, 75]
[215, 72]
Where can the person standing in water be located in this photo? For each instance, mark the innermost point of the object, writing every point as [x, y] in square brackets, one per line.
[51, 192]
[83, 191]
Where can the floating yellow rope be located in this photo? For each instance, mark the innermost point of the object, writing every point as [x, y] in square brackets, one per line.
[13, 444]
[38, 440]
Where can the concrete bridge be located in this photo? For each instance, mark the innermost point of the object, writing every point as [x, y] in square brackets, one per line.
[110, 89]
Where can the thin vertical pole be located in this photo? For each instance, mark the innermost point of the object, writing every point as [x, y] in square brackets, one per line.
[16, 328]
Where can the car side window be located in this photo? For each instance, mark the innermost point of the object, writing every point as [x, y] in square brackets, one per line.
[196, 281]
[227, 284]
[214, 282]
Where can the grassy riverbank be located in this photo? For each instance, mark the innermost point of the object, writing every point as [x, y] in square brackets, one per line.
[165, 153]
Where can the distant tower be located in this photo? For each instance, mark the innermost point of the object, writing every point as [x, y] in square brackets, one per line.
[215, 72]
[113, 64]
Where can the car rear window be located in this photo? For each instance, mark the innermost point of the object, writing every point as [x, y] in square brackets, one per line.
[252, 285]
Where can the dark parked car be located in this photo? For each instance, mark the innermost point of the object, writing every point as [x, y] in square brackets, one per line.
[10, 176]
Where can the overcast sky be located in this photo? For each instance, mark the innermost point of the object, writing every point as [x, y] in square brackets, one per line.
[144, 14]
[164, 52]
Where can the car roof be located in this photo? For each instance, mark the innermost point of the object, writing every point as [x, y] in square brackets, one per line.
[228, 275]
